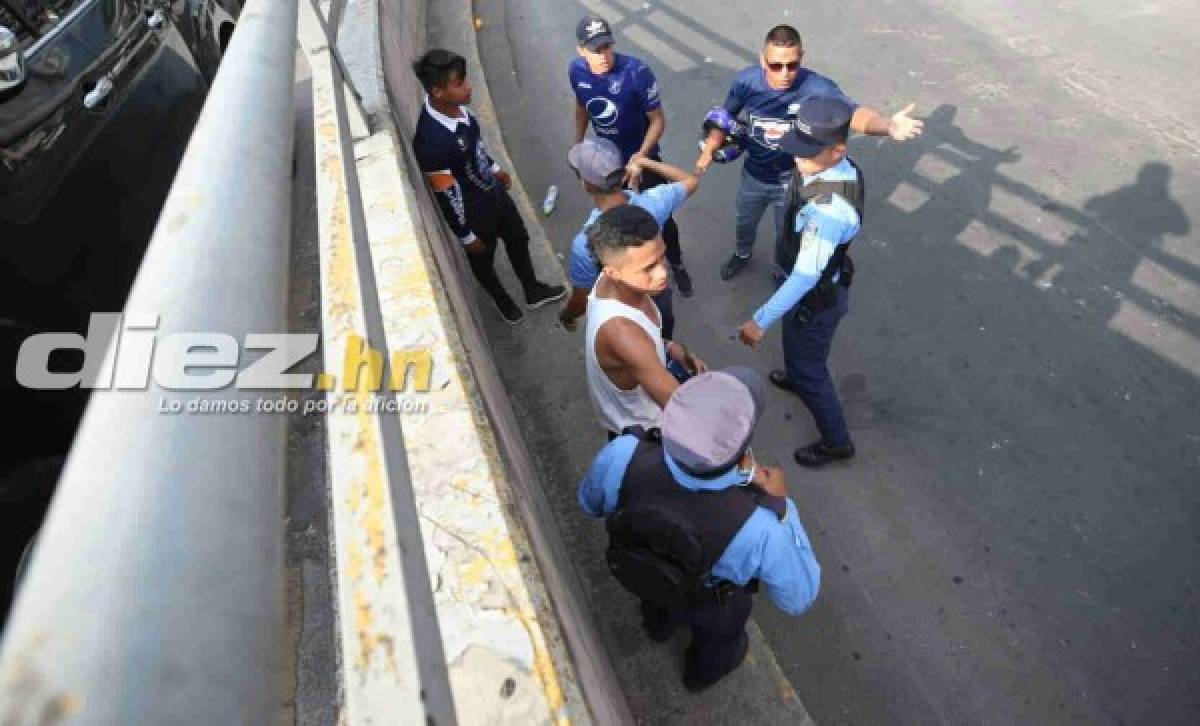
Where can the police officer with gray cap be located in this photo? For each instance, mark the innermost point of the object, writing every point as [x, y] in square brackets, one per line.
[696, 524]
[824, 213]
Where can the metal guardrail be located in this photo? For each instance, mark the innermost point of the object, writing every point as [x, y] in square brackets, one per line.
[155, 593]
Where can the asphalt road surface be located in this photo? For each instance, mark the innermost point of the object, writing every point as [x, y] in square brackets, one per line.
[1018, 540]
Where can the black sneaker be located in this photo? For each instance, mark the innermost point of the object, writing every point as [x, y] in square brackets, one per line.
[509, 310]
[735, 265]
[683, 280]
[541, 294]
[817, 454]
[779, 379]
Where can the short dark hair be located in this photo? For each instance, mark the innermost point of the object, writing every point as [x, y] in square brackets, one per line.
[437, 67]
[620, 228]
[784, 36]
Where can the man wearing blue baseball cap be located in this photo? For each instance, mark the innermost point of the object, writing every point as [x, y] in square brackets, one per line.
[696, 524]
[824, 214]
[618, 95]
[768, 94]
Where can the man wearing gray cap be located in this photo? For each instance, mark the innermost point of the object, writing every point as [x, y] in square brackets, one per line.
[696, 524]
[598, 164]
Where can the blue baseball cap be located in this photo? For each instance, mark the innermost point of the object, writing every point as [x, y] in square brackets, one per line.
[820, 122]
[593, 31]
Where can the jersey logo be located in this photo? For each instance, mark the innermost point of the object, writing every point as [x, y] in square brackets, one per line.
[462, 143]
[652, 92]
[792, 109]
[603, 111]
[614, 88]
[584, 84]
[768, 131]
[454, 194]
[481, 161]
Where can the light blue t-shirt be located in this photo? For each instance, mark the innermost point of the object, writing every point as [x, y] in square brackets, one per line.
[822, 227]
[775, 552]
[661, 202]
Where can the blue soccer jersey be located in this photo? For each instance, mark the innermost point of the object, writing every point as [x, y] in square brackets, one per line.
[769, 114]
[618, 101]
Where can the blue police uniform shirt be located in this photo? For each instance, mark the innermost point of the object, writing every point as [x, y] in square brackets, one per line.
[823, 224]
[618, 101]
[776, 552]
[661, 202]
[769, 114]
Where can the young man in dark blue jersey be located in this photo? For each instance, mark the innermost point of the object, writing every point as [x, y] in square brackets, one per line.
[618, 95]
[469, 185]
[769, 94]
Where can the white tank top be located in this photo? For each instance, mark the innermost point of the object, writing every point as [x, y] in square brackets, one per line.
[617, 408]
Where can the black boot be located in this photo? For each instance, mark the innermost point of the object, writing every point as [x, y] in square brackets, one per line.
[817, 454]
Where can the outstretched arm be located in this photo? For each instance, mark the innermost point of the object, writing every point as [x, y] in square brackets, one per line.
[900, 127]
[671, 173]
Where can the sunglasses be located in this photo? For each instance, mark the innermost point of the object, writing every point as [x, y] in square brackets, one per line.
[777, 67]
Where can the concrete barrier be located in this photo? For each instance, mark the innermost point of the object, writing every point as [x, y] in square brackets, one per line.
[516, 639]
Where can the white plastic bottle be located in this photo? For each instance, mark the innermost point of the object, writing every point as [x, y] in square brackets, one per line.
[550, 200]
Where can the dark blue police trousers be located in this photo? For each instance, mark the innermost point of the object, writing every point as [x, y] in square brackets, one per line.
[806, 355]
[717, 630]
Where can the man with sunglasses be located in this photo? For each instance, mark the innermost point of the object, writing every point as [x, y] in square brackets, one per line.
[769, 94]
[469, 185]
[618, 95]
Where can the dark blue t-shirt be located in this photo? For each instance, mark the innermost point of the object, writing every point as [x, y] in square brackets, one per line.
[769, 114]
[617, 101]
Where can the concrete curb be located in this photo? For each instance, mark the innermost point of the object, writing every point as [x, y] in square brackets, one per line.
[574, 657]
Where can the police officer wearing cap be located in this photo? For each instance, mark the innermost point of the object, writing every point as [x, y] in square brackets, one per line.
[696, 524]
[824, 213]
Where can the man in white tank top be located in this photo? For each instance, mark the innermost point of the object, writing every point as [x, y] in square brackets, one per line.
[626, 357]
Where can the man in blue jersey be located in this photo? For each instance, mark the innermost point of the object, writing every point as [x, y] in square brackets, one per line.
[469, 185]
[768, 95]
[696, 525]
[827, 204]
[618, 95]
[601, 171]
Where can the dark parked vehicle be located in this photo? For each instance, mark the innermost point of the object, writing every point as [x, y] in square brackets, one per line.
[97, 101]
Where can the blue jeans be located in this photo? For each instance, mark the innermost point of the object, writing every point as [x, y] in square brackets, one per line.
[753, 197]
[806, 353]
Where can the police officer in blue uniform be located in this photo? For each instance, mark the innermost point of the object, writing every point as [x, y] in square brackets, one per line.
[696, 525]
[618, 95]
[768, 95]
[826, 205]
